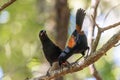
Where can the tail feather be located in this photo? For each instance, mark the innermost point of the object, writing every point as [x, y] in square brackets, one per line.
[80, 17]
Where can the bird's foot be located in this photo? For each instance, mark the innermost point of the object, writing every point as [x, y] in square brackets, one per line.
[61, 68]
[48, 72]
[87, 54]
[66, 64]
[85, 57]
[74, 63]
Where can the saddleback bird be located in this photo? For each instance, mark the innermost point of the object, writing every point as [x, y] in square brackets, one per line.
[77, 42]
[51, 51]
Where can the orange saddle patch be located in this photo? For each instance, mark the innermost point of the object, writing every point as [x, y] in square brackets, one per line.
[71, 42]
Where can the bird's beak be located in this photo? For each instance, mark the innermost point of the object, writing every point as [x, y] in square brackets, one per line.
[42, 32]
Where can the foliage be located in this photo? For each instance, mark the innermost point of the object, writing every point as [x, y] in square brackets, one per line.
[19, 40]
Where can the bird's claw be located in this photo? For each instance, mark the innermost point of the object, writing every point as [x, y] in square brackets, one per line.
[61, 67]
[85, 57]
[66, 64]
[75, 63]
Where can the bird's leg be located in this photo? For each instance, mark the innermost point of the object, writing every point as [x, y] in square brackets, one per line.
[61, 68]
[87, 53]
[76, 62]
[48, 72]
[83, 53]
[78, 59]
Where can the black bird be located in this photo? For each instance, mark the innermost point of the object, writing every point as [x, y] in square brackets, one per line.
[51, 51]
[77, 42]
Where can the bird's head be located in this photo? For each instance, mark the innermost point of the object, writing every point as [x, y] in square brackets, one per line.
[42, 33]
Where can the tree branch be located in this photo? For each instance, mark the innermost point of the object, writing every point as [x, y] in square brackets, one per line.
[94, 6]
[100, 30]
[117, 45]
[92, 67]
[96, 41]
[84, 63]
[110, 26]
[6, 4]
[95, 44]
[94, 72]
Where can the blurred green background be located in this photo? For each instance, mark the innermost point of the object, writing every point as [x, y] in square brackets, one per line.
[21, 53]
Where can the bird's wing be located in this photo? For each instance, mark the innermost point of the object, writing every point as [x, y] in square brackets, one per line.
[71, 42]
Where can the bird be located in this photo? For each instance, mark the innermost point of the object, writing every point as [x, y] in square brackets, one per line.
[51, 50]
[77, 43]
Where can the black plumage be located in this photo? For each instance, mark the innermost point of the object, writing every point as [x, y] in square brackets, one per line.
[77, 42]
[51, 51]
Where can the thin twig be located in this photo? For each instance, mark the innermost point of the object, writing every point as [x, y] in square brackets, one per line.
[96, 41]
[6, 4]
[95, 4]
[111, 26]
[84, 63]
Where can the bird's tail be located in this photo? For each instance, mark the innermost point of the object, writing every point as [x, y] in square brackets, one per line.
[80, 15]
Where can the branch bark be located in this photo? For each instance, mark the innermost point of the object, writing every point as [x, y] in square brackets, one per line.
[94, 7]
[6, 4]
[100, 30]
[110, 26]
[84, 63]
[94, 72]
[96, 41]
